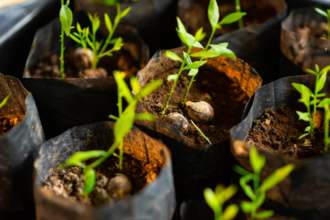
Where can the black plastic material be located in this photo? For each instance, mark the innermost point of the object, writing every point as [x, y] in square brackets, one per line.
[18, 149]
[298, 51]
[155, 201]
[304, 194]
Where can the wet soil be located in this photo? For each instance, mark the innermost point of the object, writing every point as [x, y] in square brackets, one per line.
[224, 95]
[50, 68]
[197, 17]
[8, 122]
[314, 29]
[279, 131]
[68, 182]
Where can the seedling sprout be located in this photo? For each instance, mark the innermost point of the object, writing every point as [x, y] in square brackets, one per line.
[199, 130]
[123, 125]
[258, 194]
[327, 15]
[5, 100]
[86, 38]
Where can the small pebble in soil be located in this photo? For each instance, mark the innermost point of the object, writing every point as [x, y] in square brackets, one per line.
[201, 112]
[81, 59]
[178, 121]
[91, 73]
[119, 186]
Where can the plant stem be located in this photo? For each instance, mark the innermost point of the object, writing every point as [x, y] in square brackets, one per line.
[209, 42]
[256, 190]
[326, 131]
[62, 48]
[238, 9]
[199, 130]
[95, 57]
[103, 158]
[314, 111]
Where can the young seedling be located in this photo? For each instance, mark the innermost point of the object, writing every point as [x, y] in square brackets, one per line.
[199, 130]
[325, 104]
[327, 15]
[5, 100]
[123, 125]
[193, 41]
[306, 95]
[66, 22]
[85, 37]
[258, 194]
[216, 200]
[238, 9]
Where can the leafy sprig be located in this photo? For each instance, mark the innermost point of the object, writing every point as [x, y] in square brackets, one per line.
[258, 194]
[327, 15]
[4, 101]
[87, 38]
[123, 125]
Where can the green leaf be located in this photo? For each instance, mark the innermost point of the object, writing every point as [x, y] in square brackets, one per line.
[123, 125]
[324, 102]
[325, 69]
[125, 12]
[113, 117]
[303, 116]
[124, 91]
[66, 19]
[278, 176]
[223, 51]
[230, 212]
[302, 136]
[321, 12]
[229, 192]
[107, 22]
[317, 68]
[205, 54]
[89, 180]
[260, 200]
[212, 201]
[145, 116]
[96, 23]
[231, 18]
[199, 34]
[301, 88]
[225, 44]
[135, 85]
[194, 65]
[186, 57]
[193, 72]
[182, 33]
[246, 207]
[213, 13]
[192, 41]
[320, 95]
[149, 88]
[308, 128]
[321, 82]
[264, 214]
[173, 56]
[241, 171]
[247, 189]
[4, 101]
[257, 161]
[75, 39]
[77, 158]
[218, 191]
[172, 77]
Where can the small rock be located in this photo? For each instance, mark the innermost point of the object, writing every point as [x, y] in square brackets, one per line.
[178, 121]
[207, 97]
[91, 73]
[100, 196]
[119, 186]
[81, 59]
[201, 112]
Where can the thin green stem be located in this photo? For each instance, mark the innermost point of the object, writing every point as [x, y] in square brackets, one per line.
[199, 130]
[210, 39]
[62, 48]
[326, 131]
[121, 152]
[256, 191]
[314, 110]
[238, 9]
[103, 158]
[95, 57]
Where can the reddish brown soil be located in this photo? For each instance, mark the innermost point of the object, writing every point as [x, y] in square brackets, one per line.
[69, 182]
[280, 130]
[50, 68]
[225, 96]
[314, 29]
[8, 122]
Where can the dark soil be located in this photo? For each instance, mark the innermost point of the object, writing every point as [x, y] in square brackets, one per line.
[8, 122]
[314, 29]
[224, 95]
[50, 68]
[196, 17]
[280, 130]
[69, 182]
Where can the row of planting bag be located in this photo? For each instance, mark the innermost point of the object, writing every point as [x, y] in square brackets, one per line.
[62, 116]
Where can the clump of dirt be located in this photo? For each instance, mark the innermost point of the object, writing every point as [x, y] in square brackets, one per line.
[8, 122]
[314, 29]
[223, 94]
[68, 182]
[279, 131]
[50, 68]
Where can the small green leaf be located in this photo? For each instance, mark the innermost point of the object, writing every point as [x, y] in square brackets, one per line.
[149, 88]
[257, 161]
[225, 44]
[311, 71]
[241, 171]
[75, 39]
[275, 178]
[123, 125]
[223, 51]
[194, 65]
[230, 212]
[192, 41]
[321, 12]
[66, 19]
[321, 82]
[89, 180]
[231, 18]
[123, 88]
[135, 85]
[324, 102]
[193, 72]
[212, 201]
[125, 12]
[172, 77]
[301, 88]
[229, 192]
[317, 68]
[113, 117]
[77, 158]
[302, 136]
[173, 56]
[260, 201]
[308, 128]
[325, 69]
[303, 116]
[4, 101]
[246, 207]
[264, 214]
[320, 95]
[247, 189]
[182, 33]
[186, 58]
[145, 116]
[205, 54]
[107, 22]
[218, 191]
[199, 34]
[213, 13]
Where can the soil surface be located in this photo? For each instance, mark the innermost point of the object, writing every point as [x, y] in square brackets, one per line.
[8, 122]
[68, 182]
[224, 95]
[280, 130]
[197, 17]
[314, 29]
[50, 68]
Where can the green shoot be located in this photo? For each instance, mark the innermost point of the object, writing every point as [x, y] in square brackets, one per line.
[5, 100]
[216, 200]
[85, 37]
[123, 125]
[306, 94]
[258, 194]
[327, 15]
[66, 22]
[193, 41]
[238, 9]
[199, 130]
[325, 104]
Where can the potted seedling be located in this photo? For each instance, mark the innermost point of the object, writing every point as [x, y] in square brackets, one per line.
[287, 131]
